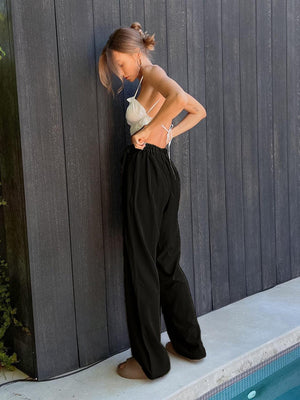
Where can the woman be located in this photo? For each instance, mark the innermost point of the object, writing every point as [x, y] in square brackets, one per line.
[153, 278]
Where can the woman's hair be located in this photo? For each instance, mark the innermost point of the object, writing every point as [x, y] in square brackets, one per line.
[124, 40]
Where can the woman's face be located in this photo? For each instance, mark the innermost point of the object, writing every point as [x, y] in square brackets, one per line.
[126, 64]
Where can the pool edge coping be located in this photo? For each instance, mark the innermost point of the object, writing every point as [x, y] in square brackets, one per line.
[230, 372]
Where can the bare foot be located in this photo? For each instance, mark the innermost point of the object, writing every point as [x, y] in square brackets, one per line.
[131, 369]
[170, 348]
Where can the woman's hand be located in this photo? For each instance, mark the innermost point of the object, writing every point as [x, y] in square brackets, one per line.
[139, 138]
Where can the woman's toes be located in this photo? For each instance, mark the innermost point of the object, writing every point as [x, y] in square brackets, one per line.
[170, 348]
[122, 365]
[131, 369]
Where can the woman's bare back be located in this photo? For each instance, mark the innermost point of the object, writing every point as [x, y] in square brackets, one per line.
[147, 97]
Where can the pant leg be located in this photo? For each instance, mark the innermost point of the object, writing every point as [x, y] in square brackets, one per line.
[176, 299]
[144, 196]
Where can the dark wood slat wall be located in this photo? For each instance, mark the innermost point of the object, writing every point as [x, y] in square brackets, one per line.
[239, 167]
[45, 185]
[77, 55]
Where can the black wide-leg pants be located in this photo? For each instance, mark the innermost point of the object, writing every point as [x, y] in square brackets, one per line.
[153, 278]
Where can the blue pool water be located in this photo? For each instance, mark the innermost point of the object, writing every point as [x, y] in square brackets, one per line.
[278, 379]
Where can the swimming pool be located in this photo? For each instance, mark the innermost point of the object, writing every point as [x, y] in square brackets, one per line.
[277, 378]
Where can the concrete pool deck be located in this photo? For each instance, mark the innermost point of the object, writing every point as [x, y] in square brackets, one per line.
[236, 337]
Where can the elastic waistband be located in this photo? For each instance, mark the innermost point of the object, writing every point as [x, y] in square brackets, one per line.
[153, 147]
[149, 147]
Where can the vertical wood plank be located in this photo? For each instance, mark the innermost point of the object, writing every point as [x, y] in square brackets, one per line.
[233, 154]
[265, 144]
[280, 132]
[215, 155]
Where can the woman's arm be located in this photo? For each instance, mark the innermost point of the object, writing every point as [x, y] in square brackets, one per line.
[176, 100]
[196, 112]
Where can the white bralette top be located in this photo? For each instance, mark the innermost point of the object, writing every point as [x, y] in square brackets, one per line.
[136, 115]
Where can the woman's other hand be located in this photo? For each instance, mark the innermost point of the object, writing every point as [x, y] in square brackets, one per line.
[139, 139]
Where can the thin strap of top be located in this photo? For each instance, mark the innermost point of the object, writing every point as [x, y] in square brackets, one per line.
[138, 85]
[152, 106]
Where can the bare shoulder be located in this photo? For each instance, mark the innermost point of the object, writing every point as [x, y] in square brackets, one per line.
[156, 76]
[152, 71]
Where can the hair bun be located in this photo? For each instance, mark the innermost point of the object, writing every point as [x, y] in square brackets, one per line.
[148, 40]
[138, 27]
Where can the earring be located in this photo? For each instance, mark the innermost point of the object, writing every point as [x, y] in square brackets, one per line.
[140, 63]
